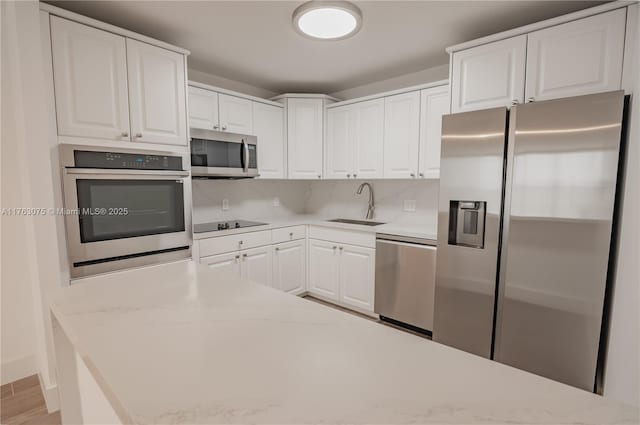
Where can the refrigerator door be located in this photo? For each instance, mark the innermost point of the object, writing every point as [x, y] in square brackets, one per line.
[559, 204]
[470, 205]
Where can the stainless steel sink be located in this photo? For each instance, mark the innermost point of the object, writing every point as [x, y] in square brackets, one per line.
[361, 222]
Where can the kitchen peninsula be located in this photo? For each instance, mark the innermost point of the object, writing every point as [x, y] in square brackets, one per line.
[180, 343]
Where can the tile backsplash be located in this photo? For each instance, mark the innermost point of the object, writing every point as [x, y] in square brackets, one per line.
[398, 201]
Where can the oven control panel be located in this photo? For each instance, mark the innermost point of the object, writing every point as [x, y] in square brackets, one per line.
[130, 161]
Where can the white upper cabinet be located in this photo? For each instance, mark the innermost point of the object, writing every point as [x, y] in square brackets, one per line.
[369, 141]
[268, 126]
[236, 114]
[90, 78]
[289, 267]
[341, 135]
[579, 57]
[203, 109]
[304, 137]
[489, 76]
[401, 135]
[357, 276]
[434, 103]
[354, 144]
[156, 94]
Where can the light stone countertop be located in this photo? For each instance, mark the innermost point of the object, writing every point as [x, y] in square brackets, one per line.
[398, 229]
[180, 343]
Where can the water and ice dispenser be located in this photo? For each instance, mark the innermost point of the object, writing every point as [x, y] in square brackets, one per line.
[466, 223]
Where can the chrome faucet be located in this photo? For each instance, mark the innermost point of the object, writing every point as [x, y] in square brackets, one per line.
[371, 206]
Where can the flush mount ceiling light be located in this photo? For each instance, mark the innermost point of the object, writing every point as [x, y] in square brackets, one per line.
[327, 20]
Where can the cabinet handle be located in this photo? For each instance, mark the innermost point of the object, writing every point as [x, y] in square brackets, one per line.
[244, 255]
[237, 256]
[413, 174]
[290, 234]
[531, 99]
[348, 175]
[319, 176]
[421, 174]
[277, 249]
[334, 247]
[355, 175]
[514, 102]
[138, 134]
[215, 127]
[124, 134]
[340, 248]
[224, 127]
[240, 243]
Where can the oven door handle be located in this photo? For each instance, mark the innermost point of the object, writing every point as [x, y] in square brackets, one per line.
[245, 156]
[168, 173]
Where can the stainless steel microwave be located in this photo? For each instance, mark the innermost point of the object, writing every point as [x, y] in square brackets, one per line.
[219, 154]
[124, 208]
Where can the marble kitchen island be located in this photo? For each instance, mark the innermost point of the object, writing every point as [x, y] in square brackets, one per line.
[182, 344]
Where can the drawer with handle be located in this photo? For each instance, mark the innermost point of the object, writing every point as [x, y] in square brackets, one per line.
[222, 244]
[287, 234]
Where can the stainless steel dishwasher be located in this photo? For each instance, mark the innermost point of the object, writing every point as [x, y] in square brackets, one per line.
[405, 281]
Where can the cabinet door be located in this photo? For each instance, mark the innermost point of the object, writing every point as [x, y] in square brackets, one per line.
[434, 103]
[90, 79]
[401, 135]
[268, 126]
[157, 94]
[236, 114]
[341, 135]
[289, 267]
[368, 144]
[203, 109]
[304, 138]
[323, 269]
[489, 76]
[225, 263]
[357, 276]
[256, 265]
[576, 58]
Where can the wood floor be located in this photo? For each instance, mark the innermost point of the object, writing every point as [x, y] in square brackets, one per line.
[22, 403]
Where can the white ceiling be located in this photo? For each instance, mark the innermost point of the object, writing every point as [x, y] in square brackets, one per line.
[254, 41]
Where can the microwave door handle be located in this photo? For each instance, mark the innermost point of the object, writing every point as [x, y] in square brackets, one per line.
[245, 156]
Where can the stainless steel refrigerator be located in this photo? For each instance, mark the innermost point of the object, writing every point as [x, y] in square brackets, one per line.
[525, 224]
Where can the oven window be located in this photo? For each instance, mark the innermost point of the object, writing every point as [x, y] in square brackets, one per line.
[116, 209]
[210, 153]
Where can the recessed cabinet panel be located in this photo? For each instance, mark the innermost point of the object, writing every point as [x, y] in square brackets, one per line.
[434, 103]
[225, 263]
[401, 135]
[268, 126]
[357, 276]
[576, 58]
[289, 266]
[236, 114]
[256, 265]
[304, 138]
[323, 269]
[489, 76]
[341, 135]
[90, 79]
[156, 94]
[368, 144]
[203, 109]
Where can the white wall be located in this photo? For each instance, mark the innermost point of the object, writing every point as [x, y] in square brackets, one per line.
[38, 254]
[225, 83]
[622, 371]
[421, 77]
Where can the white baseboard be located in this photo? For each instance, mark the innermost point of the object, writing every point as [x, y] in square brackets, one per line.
[14, 369]
[51, 398]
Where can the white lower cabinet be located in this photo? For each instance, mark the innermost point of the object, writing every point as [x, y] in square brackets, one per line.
[323, 269]
[256, 265]
[229, 263]
[356, 275]
[289, 267]
[342, 273]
